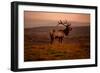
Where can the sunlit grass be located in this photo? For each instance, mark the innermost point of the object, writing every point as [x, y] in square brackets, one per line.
[56, 52]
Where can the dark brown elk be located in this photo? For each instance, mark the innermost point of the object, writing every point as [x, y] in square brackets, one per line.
[59, 34]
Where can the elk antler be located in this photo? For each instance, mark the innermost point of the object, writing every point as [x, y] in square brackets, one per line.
[64, 22]
[68, 23]
[60, 22]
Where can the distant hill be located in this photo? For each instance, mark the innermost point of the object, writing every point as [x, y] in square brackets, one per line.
[83, 30]
[37, 45]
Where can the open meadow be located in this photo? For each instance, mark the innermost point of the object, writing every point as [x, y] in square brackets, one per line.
[37, 45]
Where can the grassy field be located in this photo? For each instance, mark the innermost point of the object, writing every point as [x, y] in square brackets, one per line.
[37, 45]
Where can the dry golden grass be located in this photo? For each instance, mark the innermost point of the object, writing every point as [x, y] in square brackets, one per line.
[57, 52]
[37, 45]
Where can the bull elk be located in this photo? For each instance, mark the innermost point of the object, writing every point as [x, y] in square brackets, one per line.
[59, 34]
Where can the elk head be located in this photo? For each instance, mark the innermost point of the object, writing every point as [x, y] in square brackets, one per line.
[67, 25]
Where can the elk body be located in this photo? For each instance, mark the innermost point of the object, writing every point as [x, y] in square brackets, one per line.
[59, 34]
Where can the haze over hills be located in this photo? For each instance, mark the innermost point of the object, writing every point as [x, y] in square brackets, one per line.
[77, 30]
[36, 18]
[54, 23]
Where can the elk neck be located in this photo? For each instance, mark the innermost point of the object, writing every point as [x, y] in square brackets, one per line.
[66, 31]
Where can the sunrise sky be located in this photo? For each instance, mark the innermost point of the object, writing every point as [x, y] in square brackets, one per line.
[37, 19]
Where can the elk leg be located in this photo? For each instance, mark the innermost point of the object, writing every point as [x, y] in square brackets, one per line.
[61, 39]
[52, 39]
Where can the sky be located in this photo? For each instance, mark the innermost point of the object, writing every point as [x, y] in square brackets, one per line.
[37, 19]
